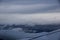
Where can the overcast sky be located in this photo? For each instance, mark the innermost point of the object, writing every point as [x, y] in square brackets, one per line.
[29, 11]
[28, 6]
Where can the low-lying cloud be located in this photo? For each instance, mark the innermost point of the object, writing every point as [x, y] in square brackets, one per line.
[50, 18]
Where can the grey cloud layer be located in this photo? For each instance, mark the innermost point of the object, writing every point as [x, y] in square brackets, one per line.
[27, 6]
[35, 10]
[29, 1]
[30, 18]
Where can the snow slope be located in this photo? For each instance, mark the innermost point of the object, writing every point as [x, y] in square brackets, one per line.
[54, 35]
[18, 34]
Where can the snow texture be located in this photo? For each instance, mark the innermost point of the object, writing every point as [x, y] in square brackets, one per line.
[54, 35]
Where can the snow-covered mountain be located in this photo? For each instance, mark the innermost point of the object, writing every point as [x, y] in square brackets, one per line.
[54, 35]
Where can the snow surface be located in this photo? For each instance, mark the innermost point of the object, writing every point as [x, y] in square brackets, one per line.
[20, 35]
[54, 35]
